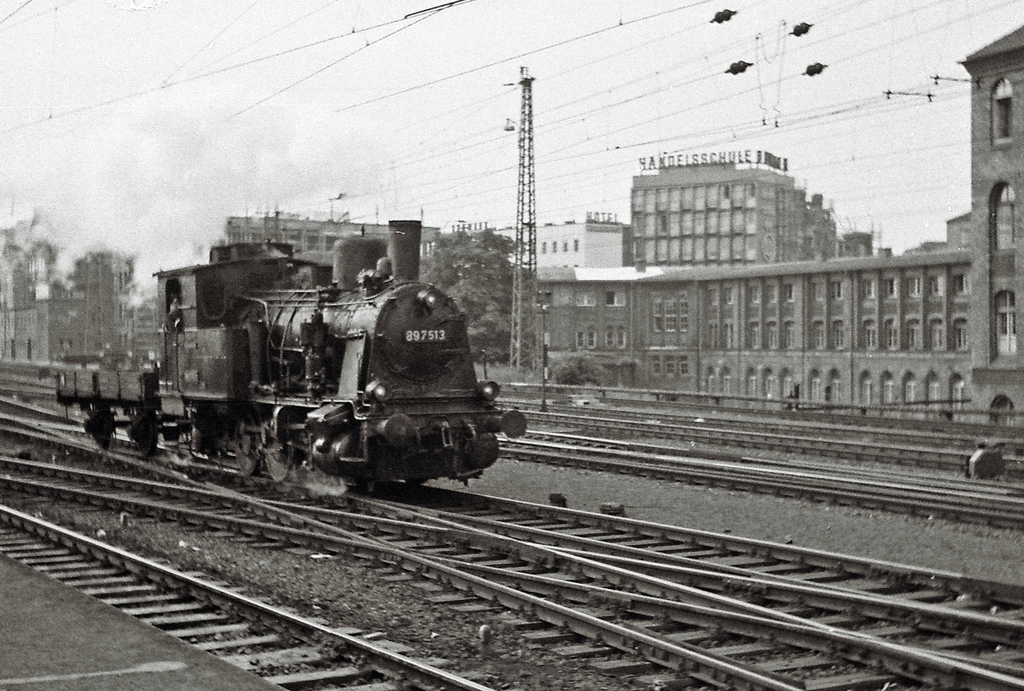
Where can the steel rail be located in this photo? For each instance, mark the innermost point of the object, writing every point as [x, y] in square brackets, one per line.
[397, 664]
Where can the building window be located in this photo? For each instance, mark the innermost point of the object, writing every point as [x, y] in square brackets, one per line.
[789, 335]
[1002, 110]
[670, 367]
[684, 314]
[656, 365]
[938, 335]
[819, 336]
[867, 390]
[959, 390]
[623, 338]
[670, 315]
[773, 293]
[585, 300]
[543, 248]
[658, 314]
[910, 390]
[870, 335]
[837, 290]
[684, 364]
[754, 336]
[591, 338]
[936, 286]
[933, 389]
[565, 246]
[787, 291]
[1006, 322]
[755, 294]
[890, 286]
[713, 296]
[713, 335]
[869, 288]
[581, 340]
[963, 342]
[1002, 228]
[575, 245]
[913, 334]
[888, 389]
[730, 297]
[892, 339]
[609, 337]
[819, 291]
[914, 286]
[773, 335]
[614, 298]
[730, 335]
[838, 335]
[961, 284]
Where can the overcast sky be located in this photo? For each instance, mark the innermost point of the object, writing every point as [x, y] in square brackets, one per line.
[139, 125]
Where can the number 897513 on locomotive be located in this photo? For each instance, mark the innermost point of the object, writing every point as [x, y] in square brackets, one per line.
[273, 363]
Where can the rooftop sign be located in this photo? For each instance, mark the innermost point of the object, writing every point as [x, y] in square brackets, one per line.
[682, 159]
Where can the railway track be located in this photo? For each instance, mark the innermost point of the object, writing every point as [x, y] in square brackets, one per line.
[614, 597]
[932, 451]
[985, 503]
[284, 648]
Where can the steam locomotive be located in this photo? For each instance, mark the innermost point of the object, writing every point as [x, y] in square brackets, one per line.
[272, 363]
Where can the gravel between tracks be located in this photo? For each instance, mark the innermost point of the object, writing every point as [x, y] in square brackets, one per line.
[343, 592]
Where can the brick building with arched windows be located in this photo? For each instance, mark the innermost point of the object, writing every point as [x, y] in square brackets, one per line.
[929, 328]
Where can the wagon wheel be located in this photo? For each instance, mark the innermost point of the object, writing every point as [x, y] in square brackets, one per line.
[247, 448]
[101, 426]
[277, 460]
[145, 431]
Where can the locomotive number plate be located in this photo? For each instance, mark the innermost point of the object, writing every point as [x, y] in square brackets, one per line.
[425, 335]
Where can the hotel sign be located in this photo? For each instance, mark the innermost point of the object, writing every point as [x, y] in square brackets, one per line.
[682, 159]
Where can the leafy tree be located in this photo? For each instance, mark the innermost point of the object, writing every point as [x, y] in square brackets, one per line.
[476, 270]
[576, 370]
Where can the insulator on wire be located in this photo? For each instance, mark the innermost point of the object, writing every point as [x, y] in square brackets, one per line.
[722, 16]
[737, 67]
[801, 29]
[815, 68]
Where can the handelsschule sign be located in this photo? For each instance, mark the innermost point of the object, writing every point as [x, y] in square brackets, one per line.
[713, 158]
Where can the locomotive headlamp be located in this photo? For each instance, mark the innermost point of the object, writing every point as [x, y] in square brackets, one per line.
[377, 391]
[489, 390]
[429, 298]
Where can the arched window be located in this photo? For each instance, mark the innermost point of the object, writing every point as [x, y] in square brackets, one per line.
[867, 389]
[751, 382]
[909, 389]
[726, 381]
[1001, 217]
[888, 388]
[1002, 110]
[1006, 322]
[958, 391]
[769, 383]
[834, 391]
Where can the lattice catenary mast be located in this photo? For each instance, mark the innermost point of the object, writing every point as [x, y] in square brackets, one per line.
[525, 276]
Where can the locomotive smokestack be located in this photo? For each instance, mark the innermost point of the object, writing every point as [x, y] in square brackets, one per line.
[405, 249]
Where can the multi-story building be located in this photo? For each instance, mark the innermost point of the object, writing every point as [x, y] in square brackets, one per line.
[728, 208]
[932, 327]
[308, 236]
[997, 247]
[44, 316]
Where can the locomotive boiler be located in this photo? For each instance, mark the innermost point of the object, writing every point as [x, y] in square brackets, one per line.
[273, 363]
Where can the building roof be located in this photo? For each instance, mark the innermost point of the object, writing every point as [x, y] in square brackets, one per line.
[628, 274]
[1008, 43]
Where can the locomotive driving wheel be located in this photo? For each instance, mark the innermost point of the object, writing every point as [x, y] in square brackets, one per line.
[277, 461]
[248, 449]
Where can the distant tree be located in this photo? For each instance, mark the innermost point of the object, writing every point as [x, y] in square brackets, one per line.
[576, 370]
[476, 270]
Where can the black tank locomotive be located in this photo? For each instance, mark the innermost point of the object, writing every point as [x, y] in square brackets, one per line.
[275, 363]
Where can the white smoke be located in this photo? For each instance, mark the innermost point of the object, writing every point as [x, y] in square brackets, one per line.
[158, 182]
